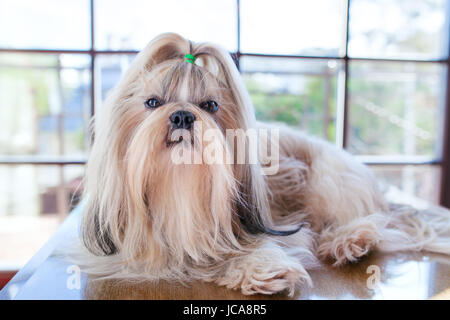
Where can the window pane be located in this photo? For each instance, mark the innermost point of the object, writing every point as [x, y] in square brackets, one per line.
[44, 104]
[118, 27]
[109, 70]
[301, 93]
[33, 202]
[33, 190]
[45, 24]
[398, 29]
[396, 108]
[409, 184]
[293, 27]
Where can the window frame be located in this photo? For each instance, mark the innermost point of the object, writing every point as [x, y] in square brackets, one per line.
[342, 112]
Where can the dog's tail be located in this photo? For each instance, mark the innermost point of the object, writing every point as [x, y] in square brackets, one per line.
[409, 229]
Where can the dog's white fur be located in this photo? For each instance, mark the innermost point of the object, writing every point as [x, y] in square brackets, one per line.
[146, 217]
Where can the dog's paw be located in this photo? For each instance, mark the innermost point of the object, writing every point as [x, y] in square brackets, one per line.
[267, 281]
[272, 282]
[347, 248]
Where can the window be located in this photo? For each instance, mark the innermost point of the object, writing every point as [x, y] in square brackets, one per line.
[370, 76]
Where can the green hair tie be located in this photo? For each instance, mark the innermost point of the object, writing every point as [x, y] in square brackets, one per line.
[190, 58]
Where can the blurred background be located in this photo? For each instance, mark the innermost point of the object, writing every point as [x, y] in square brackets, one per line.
[368, 75]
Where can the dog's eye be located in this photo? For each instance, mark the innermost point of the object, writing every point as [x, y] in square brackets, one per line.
[152, 103]
[210, 106]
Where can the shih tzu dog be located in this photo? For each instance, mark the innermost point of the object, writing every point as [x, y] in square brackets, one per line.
[169, 195]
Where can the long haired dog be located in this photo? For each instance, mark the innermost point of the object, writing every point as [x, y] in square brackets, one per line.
[149, 216]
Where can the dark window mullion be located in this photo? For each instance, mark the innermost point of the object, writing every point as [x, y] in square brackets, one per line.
[238, 34]
[32, 160]
[445, 168]
[345, 110]
[92, 55]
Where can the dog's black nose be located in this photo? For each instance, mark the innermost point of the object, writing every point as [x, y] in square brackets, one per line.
[182, 119]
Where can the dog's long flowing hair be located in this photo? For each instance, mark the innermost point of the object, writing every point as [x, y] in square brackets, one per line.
[148, 217]
[155, 216]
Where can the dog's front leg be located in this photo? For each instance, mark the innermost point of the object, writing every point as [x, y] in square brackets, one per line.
[266, 269]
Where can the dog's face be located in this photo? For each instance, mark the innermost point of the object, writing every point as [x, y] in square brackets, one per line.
[142, 203]
[170, 99]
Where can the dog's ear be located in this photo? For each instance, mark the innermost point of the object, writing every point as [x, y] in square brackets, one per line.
[97, 240]
[220, 63]
[165, 47]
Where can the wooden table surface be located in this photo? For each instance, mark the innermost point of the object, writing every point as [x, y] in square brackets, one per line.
[401, 276]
